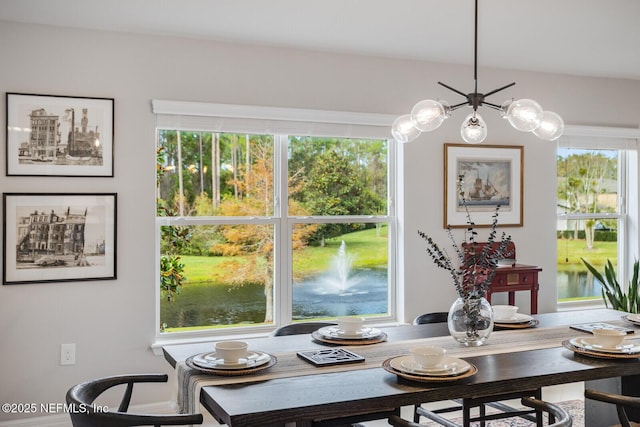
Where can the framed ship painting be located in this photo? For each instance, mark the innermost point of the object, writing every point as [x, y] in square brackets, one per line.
[490, 177]
[55, 237]
[51, 135]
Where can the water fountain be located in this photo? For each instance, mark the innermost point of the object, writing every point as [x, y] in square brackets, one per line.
[337, 280]
[341, 290]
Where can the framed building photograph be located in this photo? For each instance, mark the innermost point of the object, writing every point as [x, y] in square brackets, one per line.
[56, 237]
[50, 135]
[490, 176]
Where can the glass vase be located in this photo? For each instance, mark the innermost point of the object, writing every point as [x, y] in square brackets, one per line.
[470, 320]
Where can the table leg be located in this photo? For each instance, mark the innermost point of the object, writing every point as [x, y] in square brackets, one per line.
[534, 299]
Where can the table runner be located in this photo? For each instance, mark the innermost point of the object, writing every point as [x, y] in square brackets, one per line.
[190, 381]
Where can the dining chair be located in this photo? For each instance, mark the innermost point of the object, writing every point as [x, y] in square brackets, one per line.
[307, 328]
[300, 328]
[81, 398]
[467, 404]
[623, 403]
[557, 416]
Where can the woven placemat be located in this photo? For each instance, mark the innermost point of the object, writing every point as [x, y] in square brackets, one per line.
[426, 378]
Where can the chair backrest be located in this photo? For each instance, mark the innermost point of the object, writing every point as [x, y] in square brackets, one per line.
[622, 403]
[510, 250]
[300, 328]
[558, 417]
[81, 397]
[435, 317]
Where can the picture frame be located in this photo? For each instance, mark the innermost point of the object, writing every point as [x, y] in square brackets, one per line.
[59, 237]
[492, 176]
[50, 135]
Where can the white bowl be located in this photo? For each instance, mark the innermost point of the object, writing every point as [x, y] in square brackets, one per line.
[231, 351]
[504, 312]
[428, 356]
[350, 325]
[609, 338]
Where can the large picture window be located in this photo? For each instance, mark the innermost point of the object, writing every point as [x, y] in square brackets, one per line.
[259, 229]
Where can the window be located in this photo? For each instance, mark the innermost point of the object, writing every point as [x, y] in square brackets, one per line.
[266, 222]
[594, 178]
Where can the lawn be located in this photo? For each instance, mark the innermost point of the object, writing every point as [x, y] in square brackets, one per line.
[367, 248]
[570, 251]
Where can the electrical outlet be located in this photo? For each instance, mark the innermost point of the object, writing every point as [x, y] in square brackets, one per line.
[67, 354]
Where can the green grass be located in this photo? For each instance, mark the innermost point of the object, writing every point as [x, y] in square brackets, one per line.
[368, 248]
[570, 252]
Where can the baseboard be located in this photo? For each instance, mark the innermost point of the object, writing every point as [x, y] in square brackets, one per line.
[63, 420]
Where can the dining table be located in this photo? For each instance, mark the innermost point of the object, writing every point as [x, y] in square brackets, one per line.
[292, 391]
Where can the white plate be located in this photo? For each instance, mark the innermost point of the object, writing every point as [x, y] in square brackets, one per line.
[450, 366]
[518, 318]
[334, 332]
[634, 318]
[589, 344]
[210, 361]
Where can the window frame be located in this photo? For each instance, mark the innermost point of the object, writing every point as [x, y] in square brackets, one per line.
[279, 122]
[625, 141]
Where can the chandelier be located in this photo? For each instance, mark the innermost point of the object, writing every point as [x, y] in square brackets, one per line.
[525, 115]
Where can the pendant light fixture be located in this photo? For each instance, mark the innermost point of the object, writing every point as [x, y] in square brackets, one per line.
[525, 115]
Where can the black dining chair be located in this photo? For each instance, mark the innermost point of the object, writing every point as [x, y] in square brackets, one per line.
[557, 416]
[467, 404]
[81, 398]
[623, 403]
[307, 328]
[300, 328]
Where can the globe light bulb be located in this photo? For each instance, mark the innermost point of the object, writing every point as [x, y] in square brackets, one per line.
[403, 129]
[551, 126]
[473, 129]
[428, 115]
[524, 114]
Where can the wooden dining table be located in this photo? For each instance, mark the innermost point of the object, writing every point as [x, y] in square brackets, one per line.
[298, 393]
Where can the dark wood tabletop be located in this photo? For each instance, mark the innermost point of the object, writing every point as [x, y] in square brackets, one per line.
[302, 399]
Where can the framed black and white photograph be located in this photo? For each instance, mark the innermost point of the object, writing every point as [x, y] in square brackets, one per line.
[56, 237]
[491, 176]
[50, 135]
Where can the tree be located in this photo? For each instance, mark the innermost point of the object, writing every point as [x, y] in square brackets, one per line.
[583, 179]
[333, 187]
[254, 243]
[173, 241]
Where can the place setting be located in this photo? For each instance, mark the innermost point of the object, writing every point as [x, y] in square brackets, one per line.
[231, 358]
[632, 318]
[428, 363]
[349, 331]
[507, 317]
[605, 343]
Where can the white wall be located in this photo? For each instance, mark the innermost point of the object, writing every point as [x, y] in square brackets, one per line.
[112, 322]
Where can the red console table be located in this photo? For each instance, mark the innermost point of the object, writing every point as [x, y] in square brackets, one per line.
[518, 277]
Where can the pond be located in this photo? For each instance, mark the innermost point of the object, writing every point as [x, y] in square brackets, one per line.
[365, 293]
[577, 284]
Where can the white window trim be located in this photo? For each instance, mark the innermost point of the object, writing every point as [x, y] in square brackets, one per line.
[276, 120]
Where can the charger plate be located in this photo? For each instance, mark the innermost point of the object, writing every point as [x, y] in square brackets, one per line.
[530, 324]
[598, 354]
[231, 372]
[340, 341]
[632, 318]
[386, 365]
